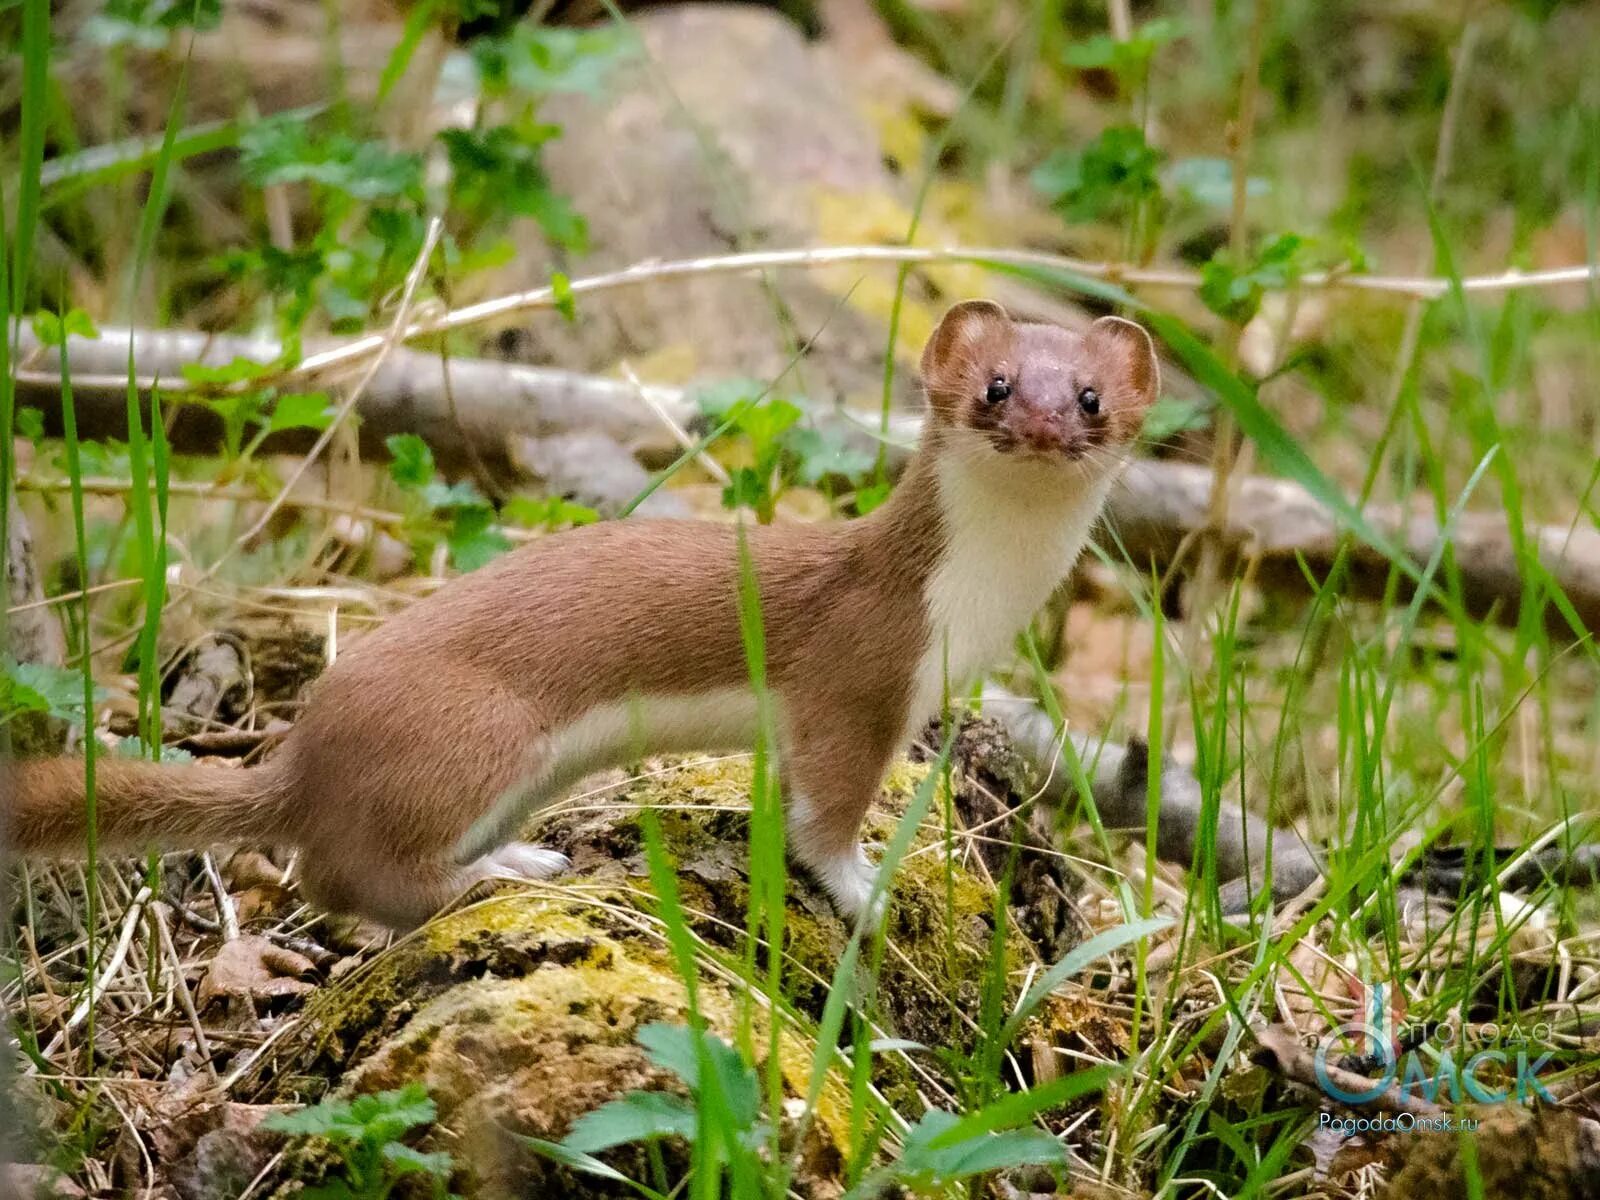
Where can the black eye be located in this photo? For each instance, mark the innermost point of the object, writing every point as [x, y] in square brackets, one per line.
[999, 390]
[1089, 401]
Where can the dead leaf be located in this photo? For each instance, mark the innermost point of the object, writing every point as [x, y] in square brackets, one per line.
[251, 868]
[254, 969]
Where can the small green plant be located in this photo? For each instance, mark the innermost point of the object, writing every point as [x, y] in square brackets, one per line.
[371, 199]
[547, 512]
[365, 1133]
[784, 448]
[1127, 59]
[1109, 178]
[1233, 290]
[459, 515]
[259, 411]
[38, 688]
[455, 513]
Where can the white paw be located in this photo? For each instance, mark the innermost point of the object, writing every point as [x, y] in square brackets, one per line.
[848, 879]
[522, 860]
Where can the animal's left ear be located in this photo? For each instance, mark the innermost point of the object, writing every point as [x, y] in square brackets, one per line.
[1128, 350]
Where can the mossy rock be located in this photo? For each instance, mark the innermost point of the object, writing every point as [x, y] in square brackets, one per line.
[521, 1012]
[540, 1026]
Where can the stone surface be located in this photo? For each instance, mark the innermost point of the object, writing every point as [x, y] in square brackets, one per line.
[664, 166]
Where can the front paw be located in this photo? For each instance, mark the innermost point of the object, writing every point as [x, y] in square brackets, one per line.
[848, 878]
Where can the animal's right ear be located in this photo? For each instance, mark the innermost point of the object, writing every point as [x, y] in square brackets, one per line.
[966, 325]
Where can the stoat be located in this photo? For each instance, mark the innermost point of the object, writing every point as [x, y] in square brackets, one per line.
[589, 648]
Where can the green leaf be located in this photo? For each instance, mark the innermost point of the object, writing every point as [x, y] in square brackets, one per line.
[407, 1161]
[372, 1118]
[746, 488]
[993, 1152]
[587, 1164]
[765, 423]
[438, 496]
[473, 540]
[52, 329]
[35, 687]
[1017, 1108]
[132, 747]
[550, 512]
[288, 151]
[719, 399]
[1209, 181]
[821, 453]
[561, 223]
[1234, 292]
[411, 462]
[1170, 416]
[418, 20]
[236, 370]
[301, 410]
[500, 170]
[1078, 958]
[672, 1048]
[636, 1117]
[237, 411]
[109, 457]
[1107, 178]
[871, 496]
[541, 59]
[30, 423]
[565, 304]
[1126, 58]
[149, 24]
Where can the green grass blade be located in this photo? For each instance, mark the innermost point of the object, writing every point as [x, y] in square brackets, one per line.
[768, 871]
[69, 433]
[35, 102]
[152, 548]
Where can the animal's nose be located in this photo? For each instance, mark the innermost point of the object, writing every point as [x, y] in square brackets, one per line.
[1045, 429]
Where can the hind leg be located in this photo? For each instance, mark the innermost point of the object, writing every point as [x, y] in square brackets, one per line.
[404, 894]
[520, 860]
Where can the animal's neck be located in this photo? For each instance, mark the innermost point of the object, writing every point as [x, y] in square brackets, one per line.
[1007, 531]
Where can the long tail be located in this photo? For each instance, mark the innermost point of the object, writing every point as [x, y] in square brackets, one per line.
[140, 804]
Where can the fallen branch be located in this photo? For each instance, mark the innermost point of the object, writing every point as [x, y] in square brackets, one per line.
[1280, 1051]
[459, 406]
[1118, 780]
[1278, 523]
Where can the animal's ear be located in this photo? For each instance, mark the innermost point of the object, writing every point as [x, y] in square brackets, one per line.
[962, 328]
[1126, 348]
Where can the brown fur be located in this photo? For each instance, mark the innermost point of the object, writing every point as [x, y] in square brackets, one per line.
[418, 729]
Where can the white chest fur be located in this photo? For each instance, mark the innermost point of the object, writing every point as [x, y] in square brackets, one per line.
[1012, 532]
